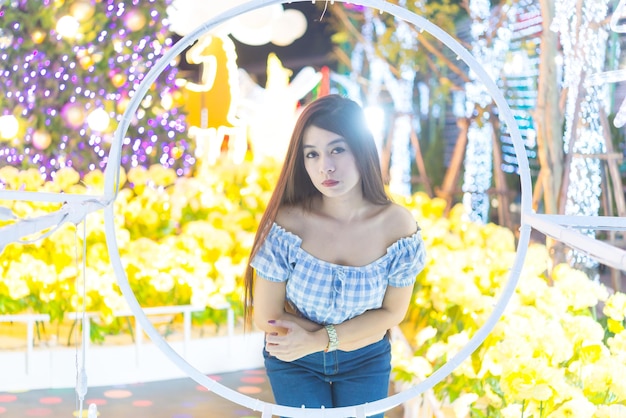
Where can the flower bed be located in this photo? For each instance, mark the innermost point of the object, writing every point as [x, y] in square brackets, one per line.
[559, 350]
[182, 241]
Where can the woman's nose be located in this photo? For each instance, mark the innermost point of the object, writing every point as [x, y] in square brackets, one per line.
[327, 166]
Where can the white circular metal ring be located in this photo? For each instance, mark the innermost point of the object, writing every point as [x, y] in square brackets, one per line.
[269, 409]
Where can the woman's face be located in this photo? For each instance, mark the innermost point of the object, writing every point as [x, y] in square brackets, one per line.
[330, 163]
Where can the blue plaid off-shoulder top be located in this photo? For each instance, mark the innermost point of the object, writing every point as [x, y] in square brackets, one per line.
[328, 293]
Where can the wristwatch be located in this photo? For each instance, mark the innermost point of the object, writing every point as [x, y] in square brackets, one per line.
[333, 341]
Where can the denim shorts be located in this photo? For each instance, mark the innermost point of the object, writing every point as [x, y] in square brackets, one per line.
[335, 379]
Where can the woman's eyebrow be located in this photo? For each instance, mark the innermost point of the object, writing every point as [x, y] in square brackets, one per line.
[331, 143]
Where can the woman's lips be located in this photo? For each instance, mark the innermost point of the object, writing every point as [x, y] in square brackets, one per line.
[329, 183]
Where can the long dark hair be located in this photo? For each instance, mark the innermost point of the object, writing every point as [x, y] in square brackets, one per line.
[341, 116]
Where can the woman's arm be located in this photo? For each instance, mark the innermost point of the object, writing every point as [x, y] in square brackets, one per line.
[372, 325]
[269, 305]
[353, 334]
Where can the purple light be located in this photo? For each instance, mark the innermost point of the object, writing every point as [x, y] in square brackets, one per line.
[47, 71]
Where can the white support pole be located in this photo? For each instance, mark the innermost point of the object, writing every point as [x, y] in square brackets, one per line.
[186, 329]
[138, 342]
[29, 320]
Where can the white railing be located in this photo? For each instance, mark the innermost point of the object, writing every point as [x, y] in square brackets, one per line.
[29, 320]
[84, 318]
[186, 310]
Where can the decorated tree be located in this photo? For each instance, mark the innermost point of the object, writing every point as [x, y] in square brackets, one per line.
[69, 69]
[584, 43]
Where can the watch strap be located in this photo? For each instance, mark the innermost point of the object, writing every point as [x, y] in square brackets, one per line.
[333, 341]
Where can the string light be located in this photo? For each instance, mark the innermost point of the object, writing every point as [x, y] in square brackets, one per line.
[478, 157]
[400, 89]
[57, 84]
[584, 49]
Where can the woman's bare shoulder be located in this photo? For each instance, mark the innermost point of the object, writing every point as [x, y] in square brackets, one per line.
[399, 221]
[290, 217]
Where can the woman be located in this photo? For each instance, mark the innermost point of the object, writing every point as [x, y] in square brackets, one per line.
[335, 263]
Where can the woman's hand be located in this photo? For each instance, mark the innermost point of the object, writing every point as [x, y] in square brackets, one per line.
[292, 342]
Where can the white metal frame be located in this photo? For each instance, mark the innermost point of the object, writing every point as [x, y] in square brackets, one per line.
[77, 207]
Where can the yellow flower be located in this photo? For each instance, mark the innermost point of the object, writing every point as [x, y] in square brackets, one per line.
[604, 376]
[202, 292]
[434, 208]
[460, 407]
[458, 214]
[610, 411]
[138, 176]
[530, 379]
[614, 326]
[580, 329]
[37, 270]
[618, 385]
[536, 260]
[114, 300]
[553, 344]
[76, 189]
[417, 366]
[424, 335]
[212, 240]
[149, 218]
[498, 237]
[591, 352]
[161, 176]
[512, 411]
[26, 274]
[525, 334]
[10, 176]
[579, 407]
[530, 288]
[94, 180]
[617, 344]
[123, 197]
[131, 210]
[31, 179]
[615, 306]
[217, 301]
[436, 351]
[141, 252]
[580, 291]
[552, 303]
[17, 287]
[444, 351]
[50, 187]
[490, 364]
[227, 274]
[437, 233]
[471, 233]
[66, 177]
[489, 398]
[69, 272]
[162, 282]
[91, 278]
[459, 288]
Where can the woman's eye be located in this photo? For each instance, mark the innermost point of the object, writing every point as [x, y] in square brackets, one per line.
[311, 154]
[338, 150]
